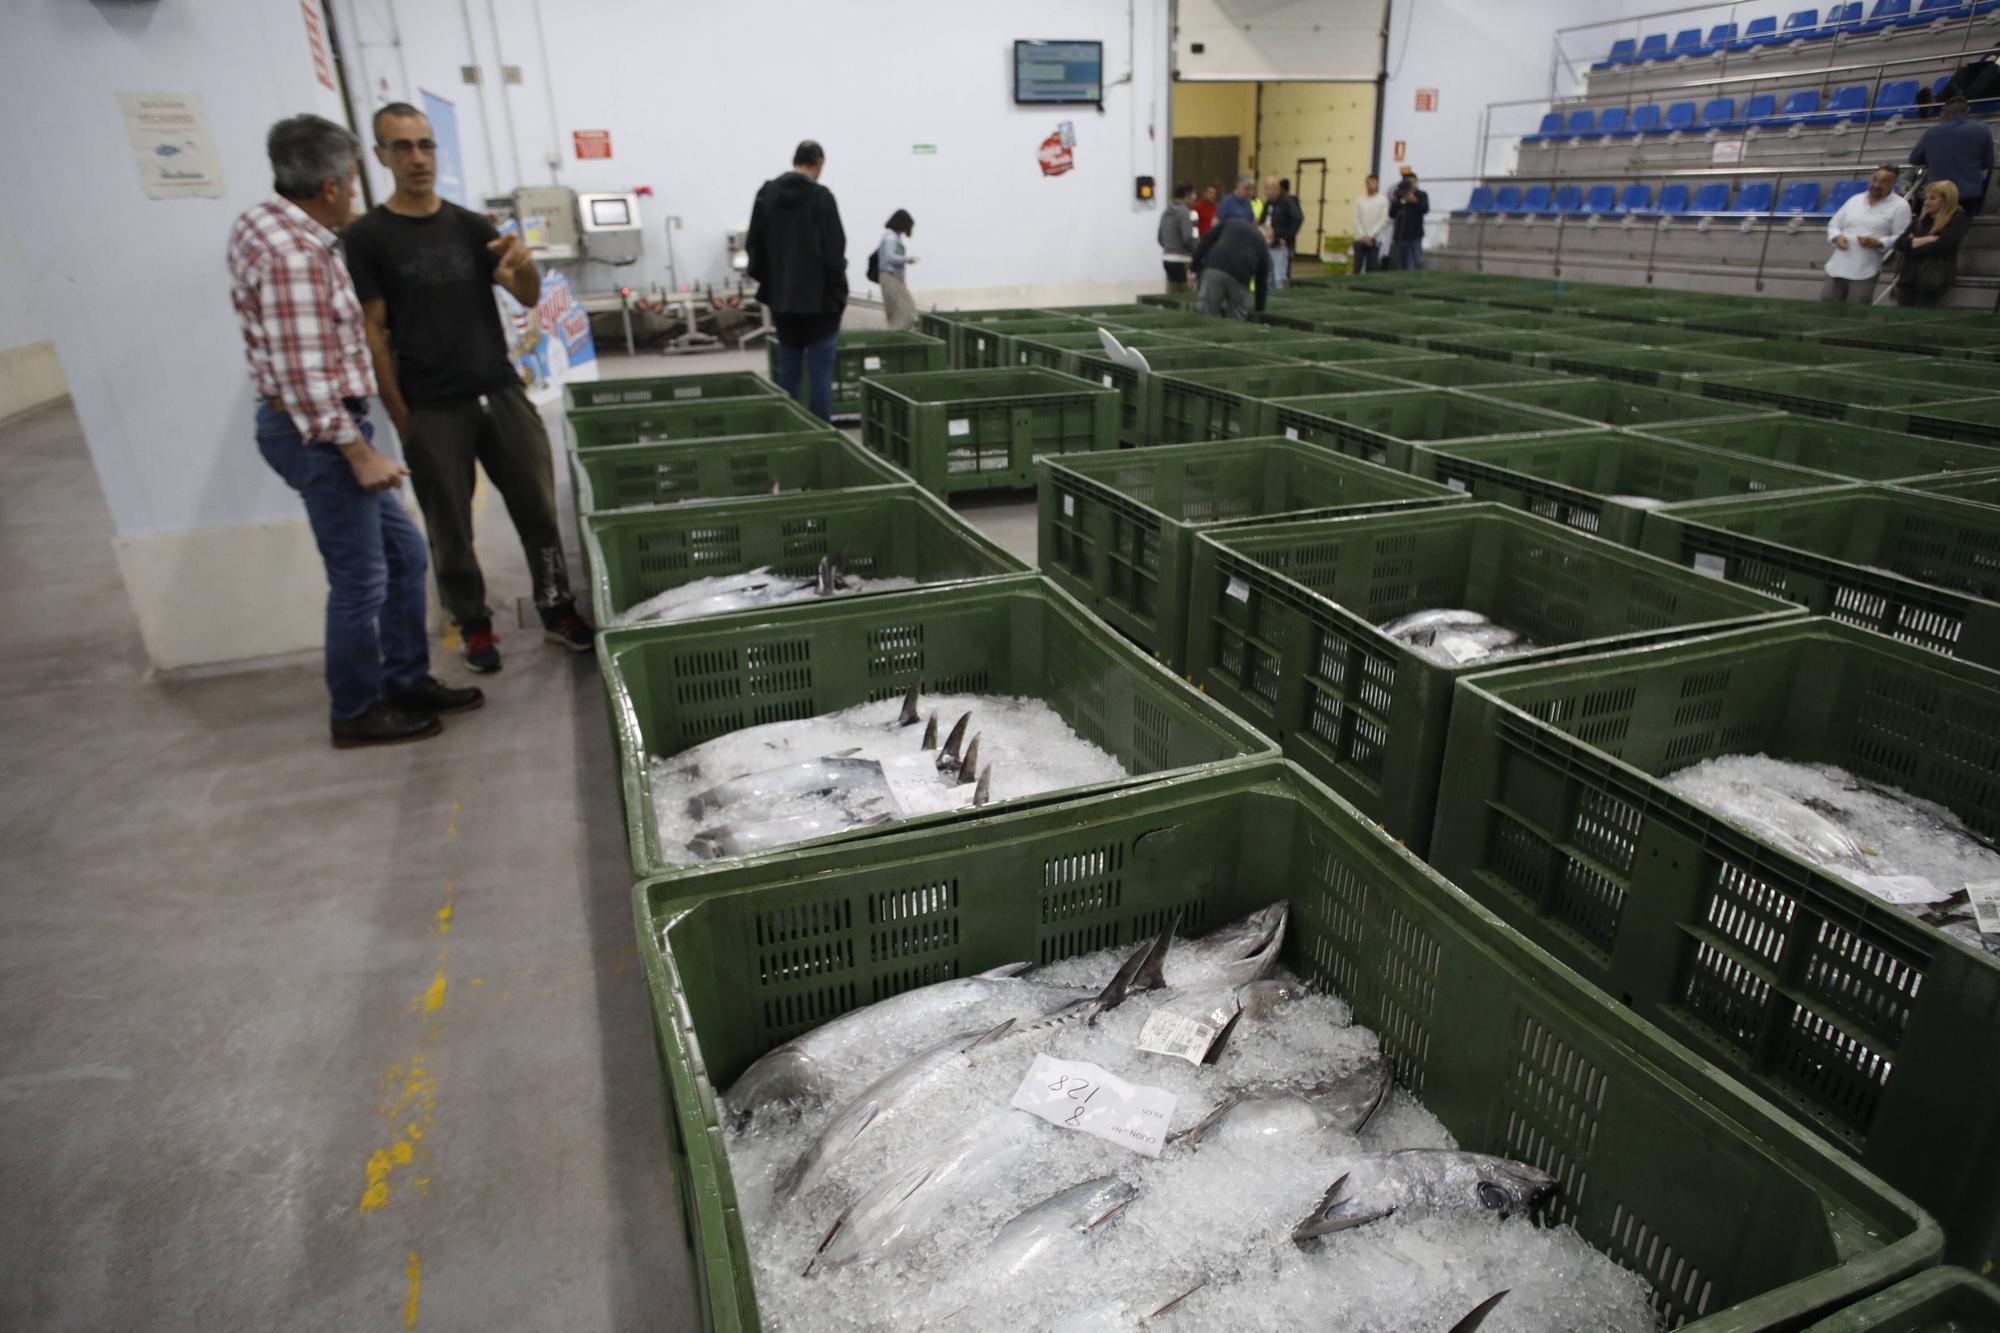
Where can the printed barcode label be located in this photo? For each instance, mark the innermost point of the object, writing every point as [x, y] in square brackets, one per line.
[1238, 589]
[959, 426]
[1291, 432]
[692, 392]
[1069, 506]
[1714, 566]
[871, 363]
[1176, 1035]
[1985, 905]
[1074, 1094]
[1456, 484]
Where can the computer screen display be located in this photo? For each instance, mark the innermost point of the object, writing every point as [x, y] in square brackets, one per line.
[1053, 73]
[610, 213]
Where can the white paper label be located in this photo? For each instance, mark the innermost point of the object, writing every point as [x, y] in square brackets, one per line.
[1714, 566]
[1176, 1035]
[958, 426]
[871, 363]
[1073, 1094]
[1291, 432]
[1985, 905]
[1107, 381]
[1238, 589]
[917, 788]
[1456, 484]
[691, 392]
[1069, 506]
[1460, 648]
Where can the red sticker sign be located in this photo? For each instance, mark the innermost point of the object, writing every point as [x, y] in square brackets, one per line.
[592, 143]
[1427, 99]
[1055, 156]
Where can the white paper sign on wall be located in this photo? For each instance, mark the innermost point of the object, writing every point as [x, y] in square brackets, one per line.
[171, 145]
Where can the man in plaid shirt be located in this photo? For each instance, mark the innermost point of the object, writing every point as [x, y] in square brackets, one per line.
[308, 356]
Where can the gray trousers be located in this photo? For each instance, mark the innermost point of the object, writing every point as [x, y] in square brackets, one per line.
[1858, 291]
[445, 445]
[898, 306]
[1222, 295]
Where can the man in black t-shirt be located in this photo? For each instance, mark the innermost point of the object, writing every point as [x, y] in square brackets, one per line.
[424, 269]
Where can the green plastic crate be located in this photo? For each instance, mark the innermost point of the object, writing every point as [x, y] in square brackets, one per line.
[1104, 314]
[1864, 453]
[1396, 327]
[674, 686]
[990, 345]
[1939, 1300]
[1282, 629]
[870, 352]
[885, 532]
[707, 419]
[1572, 478]
[1320, 349]
[1618, 404]
[1387, 427]
[1975, 341]
[950, 324]
[589, 395]
[1920, 568]
[644, 474]
[1058, 351]
[1229, 332]
[1737, 1219]
[1804, 355]
[1977, 487]
[1460, 372]
[1117, 531]
[1626, 337]
[1664, 367]
[1877, 1030]
[1186, 323]
[1974, 421]
[1195, 405]
[1835, 394]
[1527, 349]
[1137, 396]
[979, 430]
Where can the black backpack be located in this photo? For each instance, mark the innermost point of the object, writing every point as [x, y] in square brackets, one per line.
[875, 264]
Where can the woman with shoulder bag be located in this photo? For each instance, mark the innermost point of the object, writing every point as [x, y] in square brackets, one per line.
[891, 257]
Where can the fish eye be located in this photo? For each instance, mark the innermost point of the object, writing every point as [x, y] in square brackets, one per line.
[1492, 1196]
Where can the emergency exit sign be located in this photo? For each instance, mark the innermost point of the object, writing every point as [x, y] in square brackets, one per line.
[591, 143]
[1427, 99]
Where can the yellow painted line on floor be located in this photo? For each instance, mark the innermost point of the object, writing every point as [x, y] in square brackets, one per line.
[413, 1284]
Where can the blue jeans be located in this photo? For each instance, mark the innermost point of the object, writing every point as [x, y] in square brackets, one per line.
[1407, 254]
[1281, 267]
[375, 565]
[816, 360]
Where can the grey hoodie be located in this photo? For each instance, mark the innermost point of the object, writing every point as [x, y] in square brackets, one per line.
[1177, 232]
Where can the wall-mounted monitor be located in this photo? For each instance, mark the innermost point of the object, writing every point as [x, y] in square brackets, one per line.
[1059, 73]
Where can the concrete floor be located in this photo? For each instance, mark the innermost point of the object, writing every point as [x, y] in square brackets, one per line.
[297, 1037]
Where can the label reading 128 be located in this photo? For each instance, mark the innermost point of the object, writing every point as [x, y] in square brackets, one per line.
[1074, 1094]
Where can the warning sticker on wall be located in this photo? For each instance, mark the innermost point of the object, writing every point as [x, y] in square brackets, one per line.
[1427, 99]
[1058, 152]
[591, 143]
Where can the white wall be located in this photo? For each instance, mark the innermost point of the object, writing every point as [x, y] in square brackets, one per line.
[30, 375]
[1252, 40]
[705, 102]
[135, 295]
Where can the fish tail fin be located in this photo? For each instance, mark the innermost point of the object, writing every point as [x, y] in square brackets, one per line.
[827, 578]
[969, 765]
[909, 716]
[983, 793]
[1192, 1135]
[1477, 1314]
[991, 1035]
[1381, 1093]
[1152, 974]
[948, 756]
[1178, 1299]
[1221, 1039]
[1320, 1220]
[930, 733]
[1108, 1212]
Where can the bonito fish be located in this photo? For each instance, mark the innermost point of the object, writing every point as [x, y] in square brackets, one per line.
[1376, 1185]
[1060, 1220]
[1345, 1103]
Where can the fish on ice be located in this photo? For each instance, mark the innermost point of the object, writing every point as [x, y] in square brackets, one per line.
[1376, 1185]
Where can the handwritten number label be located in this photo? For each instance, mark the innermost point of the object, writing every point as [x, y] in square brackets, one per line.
[1073, 1094]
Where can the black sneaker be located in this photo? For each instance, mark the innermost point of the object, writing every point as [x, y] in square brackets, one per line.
[431, 695]
[384, 724]
[482, 647]
[570, 630]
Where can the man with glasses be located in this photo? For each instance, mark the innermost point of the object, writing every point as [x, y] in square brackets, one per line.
[424, 269]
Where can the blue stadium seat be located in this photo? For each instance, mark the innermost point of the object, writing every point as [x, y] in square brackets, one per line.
[1507, 199]
[1754, 198]
[1758, 109]
[1579, 123]
[1798, 108]
[1843, 192]
[1569, 199]
[1710, 198]
[1653, 48]
[1537, 200]
[1611, 120]
[1551, 128]
[1481, 200]
[1644, 120]
[1849, 103]
[1602, 200]
[1761, 32]
[1719, 113]
[1840, 18]
[1881, 16]
[1636, 199]
[1719, 38]
[1687, 42]
[1674, 199]
[1681, 116]
[1895, 99]
[1799, 26]
[1799, 197]
[1622, 53]
[1931, 11]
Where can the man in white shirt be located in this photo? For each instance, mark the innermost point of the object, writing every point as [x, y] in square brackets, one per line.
[1861, 234]
[1371, 227]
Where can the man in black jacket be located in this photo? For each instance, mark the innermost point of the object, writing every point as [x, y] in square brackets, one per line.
[1285, 216]
[1407, 207]
[798, 256]
[1234, 254]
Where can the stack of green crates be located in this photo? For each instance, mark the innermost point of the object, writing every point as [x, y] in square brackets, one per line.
[587, 395]
[979, 430]
[1284, 629]
[1840, 395]
[1859, 453]
[1615, 403]
[701, 419]
[870, 352]
[625, 475]
[1736, 1218]
[1195, 405]
[1387, 427]
[1117, 531]
[990, 345]
[1059, 351]
[1138, 411]
[1880, 1032]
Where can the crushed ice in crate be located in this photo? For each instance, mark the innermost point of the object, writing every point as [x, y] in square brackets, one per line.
[952, 1210]
[1452, 636]
[781, 783]
[1907, 851]
[750, 591]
